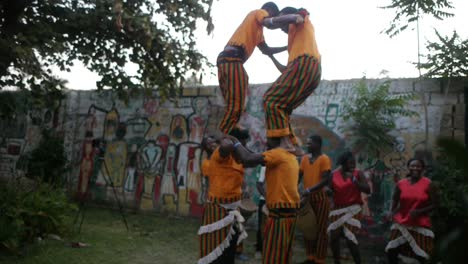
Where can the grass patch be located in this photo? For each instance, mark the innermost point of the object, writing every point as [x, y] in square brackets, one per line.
[151, 239]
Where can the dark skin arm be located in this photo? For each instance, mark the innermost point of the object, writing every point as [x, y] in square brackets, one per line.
[434, 200]
[265, 49]
[279, 21]
[395, 200]
[362, 184]
[248, 158]
[329, 190]
[243, 164]
[278, 65]
[324, 182]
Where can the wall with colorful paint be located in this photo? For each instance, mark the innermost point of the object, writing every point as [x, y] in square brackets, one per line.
[149, 152]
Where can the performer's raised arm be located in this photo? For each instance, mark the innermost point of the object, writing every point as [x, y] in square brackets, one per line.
[281, 21]
[278, 65]
[267, 50]
[248, 158]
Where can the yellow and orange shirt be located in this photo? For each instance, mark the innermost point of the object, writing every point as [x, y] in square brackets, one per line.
[250, 32]
[301, 40]
[313, 172]
[225, 178]
[205, 167]
[281, 176]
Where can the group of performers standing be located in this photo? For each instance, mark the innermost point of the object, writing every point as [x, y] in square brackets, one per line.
[334, 196]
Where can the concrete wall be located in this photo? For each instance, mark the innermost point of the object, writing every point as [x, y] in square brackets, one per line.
[152, 148]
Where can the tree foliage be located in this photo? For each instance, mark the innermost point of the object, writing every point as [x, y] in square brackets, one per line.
[447, 57]
[370, 117]
[108, 36]
[450, 220]
[408, 11]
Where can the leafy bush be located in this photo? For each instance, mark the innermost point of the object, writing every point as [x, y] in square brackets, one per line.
[48, 162]
[26, 215]
[450, 220]
[370, 117]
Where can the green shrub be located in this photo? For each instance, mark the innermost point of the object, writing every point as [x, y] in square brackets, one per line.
[26, 215]
[47, 162]
[370, 117]
[450, 220]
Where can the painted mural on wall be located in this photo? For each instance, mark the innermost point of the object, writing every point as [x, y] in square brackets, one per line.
[148, 152]
[20, 136]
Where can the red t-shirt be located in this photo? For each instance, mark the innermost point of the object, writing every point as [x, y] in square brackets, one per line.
[345, 192]
[413, 196]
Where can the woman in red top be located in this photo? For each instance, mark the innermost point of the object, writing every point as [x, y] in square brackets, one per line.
[347, 184]
[412, 201]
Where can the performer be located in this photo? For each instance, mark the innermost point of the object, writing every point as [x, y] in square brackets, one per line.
[209, 144]
[233, 79]
[316, 167]
[221, 229]
[347, 184]
[282, 197]
[411, 233]
[298, 79]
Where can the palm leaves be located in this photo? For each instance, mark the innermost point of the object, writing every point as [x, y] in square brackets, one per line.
[370, 117]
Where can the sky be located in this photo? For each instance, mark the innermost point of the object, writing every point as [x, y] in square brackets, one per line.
[347, 32]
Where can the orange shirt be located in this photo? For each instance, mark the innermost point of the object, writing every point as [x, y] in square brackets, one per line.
[225, 177]
[250, 33]
[313, 172]
[301, 40]
[205, 167]
[281, 176]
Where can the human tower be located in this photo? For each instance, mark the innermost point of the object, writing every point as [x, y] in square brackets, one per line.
[333, 197]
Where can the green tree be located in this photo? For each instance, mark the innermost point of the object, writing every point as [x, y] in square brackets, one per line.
[409, 11]
[107, 36]
[370, 117]
[447, 57]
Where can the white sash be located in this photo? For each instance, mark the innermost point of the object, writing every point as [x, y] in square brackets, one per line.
[234, 218]
[406, 237]
[347, 215]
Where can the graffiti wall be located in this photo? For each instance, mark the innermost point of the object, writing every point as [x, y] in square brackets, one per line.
[20, 136]
[147, 153]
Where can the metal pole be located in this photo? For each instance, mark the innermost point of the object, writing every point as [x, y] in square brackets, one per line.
[115, 194]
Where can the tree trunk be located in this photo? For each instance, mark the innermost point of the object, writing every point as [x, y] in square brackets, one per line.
[466, 116]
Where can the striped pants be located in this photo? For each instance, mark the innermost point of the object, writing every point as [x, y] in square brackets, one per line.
[317, 250]
[288, 92]
[233, 82]
[278, 238]
[411, 242]
[218, 235]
